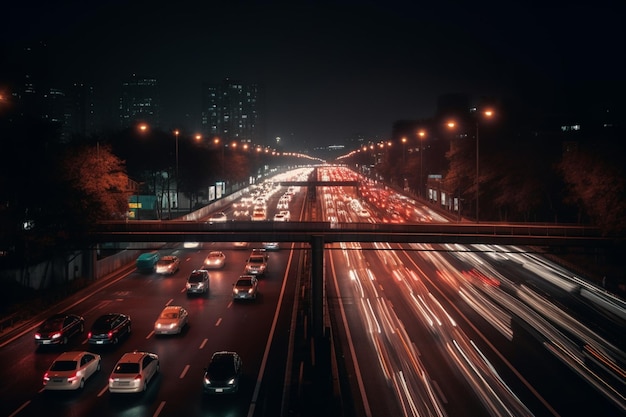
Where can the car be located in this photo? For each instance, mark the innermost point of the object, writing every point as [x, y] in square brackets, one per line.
[279, 217]
[258, 215]
[172, 320]
[241, 245]
[147, 261]
[246, 288]
[256, 263]
[168, 265]
[133, 372]
[109, 328]
[223, 373]
[219, 217]
[198, 282]
[191, 245]
[286, 214]
[70, 370]
[215, 260]
[59, 328]
[271, 245]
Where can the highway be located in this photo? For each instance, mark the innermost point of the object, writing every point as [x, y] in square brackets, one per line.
[418, 329]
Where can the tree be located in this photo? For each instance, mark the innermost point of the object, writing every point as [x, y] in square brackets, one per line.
[597, 185]
[98, 183]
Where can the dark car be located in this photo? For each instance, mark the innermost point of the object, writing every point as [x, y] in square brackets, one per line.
[109, 328]
[223, 373]
[59, 328]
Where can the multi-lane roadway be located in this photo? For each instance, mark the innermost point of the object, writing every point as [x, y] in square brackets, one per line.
[418, 330]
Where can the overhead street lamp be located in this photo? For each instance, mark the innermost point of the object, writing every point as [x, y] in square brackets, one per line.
[176, 133]
[422, 135]
[487, 114]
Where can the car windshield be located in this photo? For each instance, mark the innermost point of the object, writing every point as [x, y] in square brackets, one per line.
[127, 368]
[169, 315]
[63, 366]
[221, 367]
[165, 262]
[52, 324]
[244, 283]
[103, 322]
[196, 278]
[256, 260]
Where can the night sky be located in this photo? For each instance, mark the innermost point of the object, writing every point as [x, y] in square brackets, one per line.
[331, 69]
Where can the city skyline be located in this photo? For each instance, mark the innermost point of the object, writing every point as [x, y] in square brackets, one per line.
[330, 72]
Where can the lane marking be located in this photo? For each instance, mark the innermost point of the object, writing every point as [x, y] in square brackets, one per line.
[169, 302]
[20, 409]
[150, 335]
[218, 321]
[203, 344]
[159, 409]
[103, 390]
[182, 374]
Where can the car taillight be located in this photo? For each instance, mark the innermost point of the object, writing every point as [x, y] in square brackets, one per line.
[46, 377]
[138, 377]
[71, 378]
[56, 335]
[89, 335]
[110, 334]
[37, 335]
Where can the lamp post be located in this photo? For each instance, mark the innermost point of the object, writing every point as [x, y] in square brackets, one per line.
[176, 133]
[422, 135]
[486, 114]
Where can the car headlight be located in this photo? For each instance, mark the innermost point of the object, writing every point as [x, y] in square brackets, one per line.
[188, 285]
[231, 381]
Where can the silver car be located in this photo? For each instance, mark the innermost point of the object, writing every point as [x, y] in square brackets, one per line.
[133, 372]
[70, 370]
[198, 282]
[172, 320]
[215, 260]
[246, 288]
[168, 265]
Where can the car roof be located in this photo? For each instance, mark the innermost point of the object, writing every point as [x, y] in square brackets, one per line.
[135, 356]
[72, 355]
[168, 258]
[172, 308]
[216, 252]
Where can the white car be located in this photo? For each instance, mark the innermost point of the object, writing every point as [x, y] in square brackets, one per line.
[219, 217]
[286, 214]
[271, 245]
[70, 371]
[279, 217]
[133, 372]
[214, 260]
[241, 245]
[191, 245]
[172, 320]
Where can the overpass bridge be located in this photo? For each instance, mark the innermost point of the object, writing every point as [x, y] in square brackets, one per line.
[317, 234]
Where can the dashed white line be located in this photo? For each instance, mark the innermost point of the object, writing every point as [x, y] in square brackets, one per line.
[23, 406]
[218, 322]
[203, 344]
[169, 302]
[150, 335]
[103, 390]
[184, 372]
[159, 409]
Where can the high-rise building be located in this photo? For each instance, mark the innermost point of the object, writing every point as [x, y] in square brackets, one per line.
[80, 109]
[232, 111]
[139, 102]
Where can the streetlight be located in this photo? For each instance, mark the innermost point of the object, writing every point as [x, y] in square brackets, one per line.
[422, 135]
[176, 133]
[487, 114]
